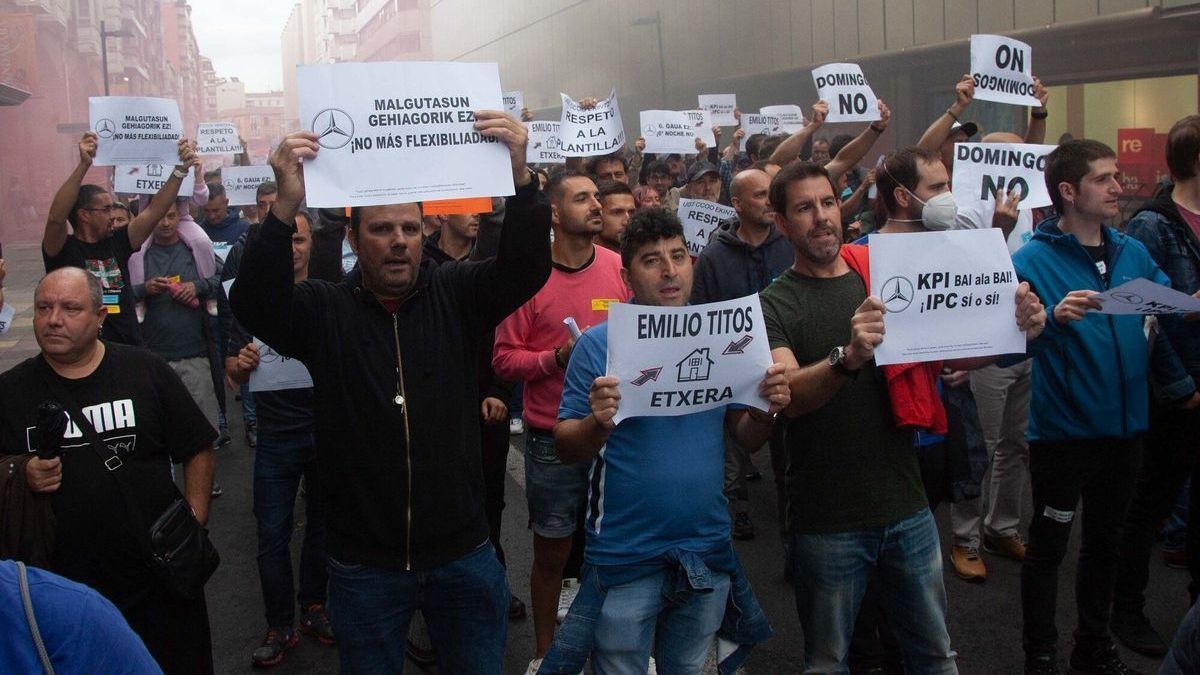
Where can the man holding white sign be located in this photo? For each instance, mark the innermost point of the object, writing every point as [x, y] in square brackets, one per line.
[1089, 404]
[655, 507]
[399, 452]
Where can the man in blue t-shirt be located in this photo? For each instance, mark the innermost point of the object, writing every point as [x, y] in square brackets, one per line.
[655, 497]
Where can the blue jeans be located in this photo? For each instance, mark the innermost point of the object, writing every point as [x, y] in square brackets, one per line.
[279, 464]
[464, 602]
[831, 572]
[633, 617]
[249, 410]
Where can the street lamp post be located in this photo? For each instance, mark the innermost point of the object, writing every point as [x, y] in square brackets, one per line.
[104, 35]
[662, 62]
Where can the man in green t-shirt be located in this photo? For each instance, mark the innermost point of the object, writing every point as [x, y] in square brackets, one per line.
[856, 507]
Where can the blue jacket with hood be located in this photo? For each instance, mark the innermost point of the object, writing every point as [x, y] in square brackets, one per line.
[1089, 376]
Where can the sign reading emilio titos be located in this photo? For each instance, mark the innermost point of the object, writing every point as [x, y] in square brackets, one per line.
[947, 295]
[680, 360]
[544, 145]
[592, 131]
[401, 132]
[135, 130]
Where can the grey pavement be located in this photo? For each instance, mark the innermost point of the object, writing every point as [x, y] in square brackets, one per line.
[984, 619]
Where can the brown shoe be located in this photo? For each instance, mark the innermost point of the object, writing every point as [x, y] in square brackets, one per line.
[967, 563]
[1012, 546]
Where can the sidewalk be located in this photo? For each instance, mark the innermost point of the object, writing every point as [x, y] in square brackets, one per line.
[24, 271]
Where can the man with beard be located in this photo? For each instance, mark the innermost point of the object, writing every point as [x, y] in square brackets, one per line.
[617, 206]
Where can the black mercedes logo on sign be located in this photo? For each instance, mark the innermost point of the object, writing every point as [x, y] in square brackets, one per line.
[105, 128]
[897, 294]
[333, 127]
[1127, 297]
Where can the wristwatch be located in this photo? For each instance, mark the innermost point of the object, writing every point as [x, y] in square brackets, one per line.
[837, 361]
[178, 174]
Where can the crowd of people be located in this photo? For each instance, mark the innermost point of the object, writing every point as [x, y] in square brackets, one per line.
[428, 339]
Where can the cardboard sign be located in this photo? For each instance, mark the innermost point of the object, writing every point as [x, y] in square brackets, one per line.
[394, 133]
[1002, 70]
[702, 124]
[721, 107]
[1142, 296]
[791, 117]
[450, 207]
[948, 295]
[241, 183]
[135, 130]
[845, 89]
[596, 131]
[545, 146]
[217, 138]
[514, 103]
[700, 217]
[983, 169]
[148, 179]
[668, 131]
[758, 124]
[276, 372]
[681, 360]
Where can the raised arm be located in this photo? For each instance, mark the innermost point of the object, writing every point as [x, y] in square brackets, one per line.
[55, 234]
[790, 148]
[144, 222]
[849, 156]
[964, 93]
[1036, 131]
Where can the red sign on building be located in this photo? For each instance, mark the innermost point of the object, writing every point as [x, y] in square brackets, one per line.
[1142, 158]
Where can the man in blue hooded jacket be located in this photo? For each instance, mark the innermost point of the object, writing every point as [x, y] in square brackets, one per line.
[1089, 405]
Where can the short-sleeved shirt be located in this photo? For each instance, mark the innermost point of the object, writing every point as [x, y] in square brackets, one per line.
[142, 411]
[849, 467]
[656, 485]
[172, 329]
[108, 260]
[979, 216]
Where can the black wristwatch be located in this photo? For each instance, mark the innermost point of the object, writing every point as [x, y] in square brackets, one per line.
[837, 361]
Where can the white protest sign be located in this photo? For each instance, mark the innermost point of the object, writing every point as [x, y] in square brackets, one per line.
[721, 107]
[845, 89]
[791, 117]
[596, 131]
[220, 252]
[400, 132]
[514, 103]
[544, 144]
[6, 317]
[148, 179]
[681, 360]
[276, 372]
[668, 131]
[702, 125]
[217, 138]
[700, 217]
[757, 124]
[983, 169]
[135, 130]
[948, 295]
[1002, 70]
[1142, 296]
[241, 183]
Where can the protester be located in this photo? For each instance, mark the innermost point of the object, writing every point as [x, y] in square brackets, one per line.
[398, 454]
[656, 491]
[104, 506]
[646, 197]
[534, 346]
[703, 181]
[1089, 405]
[617, 205]
[1167, 227]
[221, 221]
[92, 243]
[120, 216]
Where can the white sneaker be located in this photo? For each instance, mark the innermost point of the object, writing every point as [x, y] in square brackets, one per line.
[516, 427]
[533, 667]
[652, 670]
[570, 588]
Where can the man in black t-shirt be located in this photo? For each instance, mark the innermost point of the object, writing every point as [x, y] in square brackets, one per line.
[92, 243]
[141, 411]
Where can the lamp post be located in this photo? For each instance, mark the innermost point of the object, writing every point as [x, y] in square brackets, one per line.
[662, 63]
[104, 35]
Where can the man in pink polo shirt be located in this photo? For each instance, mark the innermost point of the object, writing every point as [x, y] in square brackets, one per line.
[533, 345]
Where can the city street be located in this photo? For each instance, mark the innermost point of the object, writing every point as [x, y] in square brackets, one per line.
[985, 619]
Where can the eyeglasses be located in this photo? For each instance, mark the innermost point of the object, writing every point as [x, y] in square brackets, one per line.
[104, 209]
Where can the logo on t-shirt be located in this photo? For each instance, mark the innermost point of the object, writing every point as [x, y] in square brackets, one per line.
[104, 417]
[601, 304]
[107, 271]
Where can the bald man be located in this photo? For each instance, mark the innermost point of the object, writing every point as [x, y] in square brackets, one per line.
[144, 418]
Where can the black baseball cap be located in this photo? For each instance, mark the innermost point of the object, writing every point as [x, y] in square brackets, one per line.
[700, 168]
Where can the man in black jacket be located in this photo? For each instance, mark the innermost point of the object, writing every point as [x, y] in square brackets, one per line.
[392, 352]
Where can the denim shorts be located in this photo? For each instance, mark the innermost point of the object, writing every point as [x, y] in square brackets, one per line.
[554, 491]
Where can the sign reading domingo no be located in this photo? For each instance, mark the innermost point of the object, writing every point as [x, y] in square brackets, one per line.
[1002, 70]
[401, 132]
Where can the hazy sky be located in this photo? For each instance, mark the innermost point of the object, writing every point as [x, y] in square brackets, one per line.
[242, 38]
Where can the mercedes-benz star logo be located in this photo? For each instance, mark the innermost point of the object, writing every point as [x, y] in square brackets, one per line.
[897, 294]
[105, 128]
[1127, 297]
[334, 128]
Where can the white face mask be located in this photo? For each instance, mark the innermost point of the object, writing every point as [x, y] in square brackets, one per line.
[940, 212]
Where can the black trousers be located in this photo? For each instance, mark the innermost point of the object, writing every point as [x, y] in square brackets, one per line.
[1101, 473]
[493, 440]
[1169, 458]
[175, 630]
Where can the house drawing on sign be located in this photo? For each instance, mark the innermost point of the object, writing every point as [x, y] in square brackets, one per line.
[695, 366]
